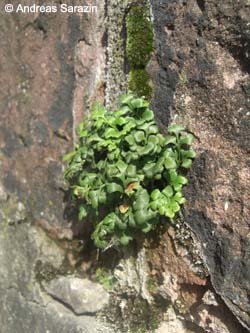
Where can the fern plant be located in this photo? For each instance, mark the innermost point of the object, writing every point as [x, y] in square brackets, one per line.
[124, 174]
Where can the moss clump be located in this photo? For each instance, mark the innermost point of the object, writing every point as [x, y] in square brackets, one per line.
[139, 36]
[139, 48]
[105, 278]
[135, 316]
[138, 82]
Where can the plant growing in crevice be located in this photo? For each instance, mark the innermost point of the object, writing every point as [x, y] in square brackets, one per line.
[124, 174]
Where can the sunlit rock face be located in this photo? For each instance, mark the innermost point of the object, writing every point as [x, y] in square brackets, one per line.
[201, 79]
[52, 66]
[190, 277]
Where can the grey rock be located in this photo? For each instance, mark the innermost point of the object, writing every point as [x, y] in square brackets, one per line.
[81, 295]
[172, 325]
[3, 194]
[30, 316]
[25, 307]
[116, 76]
[36, 130]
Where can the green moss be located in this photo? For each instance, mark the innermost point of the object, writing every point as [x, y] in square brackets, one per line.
[139, 36]
[151, 285]
[105, 278]
[136, 316]
[139, 48]
[138, 83]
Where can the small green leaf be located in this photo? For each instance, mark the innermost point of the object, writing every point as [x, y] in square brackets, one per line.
[153, 129]
[126, 99]
[94, 138]
[98, 111]
[139, 136]
[168, 191]
[148, 115]
[146, 150]
[111, 156]
[146, 227]
[162, 210]
[186, 163]
[169, 213]
[170, 139]
[179, 198]
[124, 240]
[124, 110]
[101, 244]
[173, 175]
[154, 139]
[138, 103]
[131, 170]
[170, 163]
[122, 166]
[100, 165]
[188, 153]
[146, 127]
[187, 139]
[82, 213]
[142, 216]
[120, 121]
[174, 206]
[142, 200]
[111, 133]
[175, 128]
[120, 224]
[112, 170]
[182, 180]
[130, 140]
[154, 205]
[93, 196]
[177, 187]
[149, 169]
[102, 198]
[114, 187]
[69, 156]
[131, 123]
[131, 220]
[156, 194]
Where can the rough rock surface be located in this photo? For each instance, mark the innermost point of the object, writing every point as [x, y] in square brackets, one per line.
[50, 73]
[80, 295]
[28, 257]
[202, 80]
[190, 278]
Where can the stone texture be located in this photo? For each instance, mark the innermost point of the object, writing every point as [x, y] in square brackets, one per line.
[201, 78]
[173, 324]
[49, 78]
[80, 295]
[28, 257]
[116, 51]
[52, 68]
[29, 316]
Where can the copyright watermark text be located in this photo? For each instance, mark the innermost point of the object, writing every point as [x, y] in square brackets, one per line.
[62, 8]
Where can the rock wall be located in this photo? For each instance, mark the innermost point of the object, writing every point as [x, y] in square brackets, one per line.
[191, 277]
[202, 54]
[52, 67]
